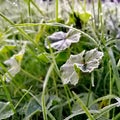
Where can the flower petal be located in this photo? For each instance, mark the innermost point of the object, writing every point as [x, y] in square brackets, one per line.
[92, 55]
[89, 67]
[61, 41]
[14, 62]
[69, 74]
[14, 69]
[73, 36]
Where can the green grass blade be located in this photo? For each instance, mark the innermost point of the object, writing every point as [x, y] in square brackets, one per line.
[56, 9]
[103, 98]
[44, 109]
[80, 113]
[64, 26]
[7, 94]
[19, 29]
[84, 107]
[115, 69]
[22, 98]
[38, 8]
[105, 110]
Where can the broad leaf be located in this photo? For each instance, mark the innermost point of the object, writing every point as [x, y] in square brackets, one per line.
[85, 61]
[6, 48]
[61, 40]
[44, 57]
[32, 108]
[85, 16]
[34, 104]
[5, 110]
[84, 97]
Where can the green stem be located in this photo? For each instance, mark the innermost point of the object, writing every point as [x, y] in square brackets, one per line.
[22, 98]
[44, 110]
[110, 87]
[38, 8]
[56, 10]
[114, 68]
[64, 26]
[29, 11]
[68, 99]
[88, 96]
[20, 30]
[55, 84]
[30, 75]
[8, 95]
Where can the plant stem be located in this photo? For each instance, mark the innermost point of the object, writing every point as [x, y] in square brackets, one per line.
[64, 26]
[110, 87]
[8, 95]
[44, 110]
[56, 10]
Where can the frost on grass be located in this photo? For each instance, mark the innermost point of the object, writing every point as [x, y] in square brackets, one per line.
[14, 64]
[85, 61]
[61, 40]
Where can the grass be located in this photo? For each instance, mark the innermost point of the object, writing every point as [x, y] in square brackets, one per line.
[37, 91]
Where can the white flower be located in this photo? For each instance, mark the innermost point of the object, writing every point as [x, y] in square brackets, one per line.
[85, 61]
[61, 40]
[14, 64]
[14, 69]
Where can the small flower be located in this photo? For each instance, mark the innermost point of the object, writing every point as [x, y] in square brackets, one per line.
[14, 69]
[14, 64]
[85, 61]
[61, 40]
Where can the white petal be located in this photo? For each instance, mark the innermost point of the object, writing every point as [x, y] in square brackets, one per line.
[57, 36]
[73, 36]
[61, 41]
[14, 69]
[61, 45]
[89, 67]
[93, 54]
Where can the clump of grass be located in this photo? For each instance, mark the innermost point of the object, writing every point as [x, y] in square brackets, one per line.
[61, 47]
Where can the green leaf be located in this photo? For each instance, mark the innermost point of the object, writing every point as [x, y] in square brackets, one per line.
[87, 99]
[85, 16]
[7, 48]
[33, 105]
[105, 110]
[19, 55]
[44, 57]
[62, 56]
[83, 106]
[32, 108]
[115, 69]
